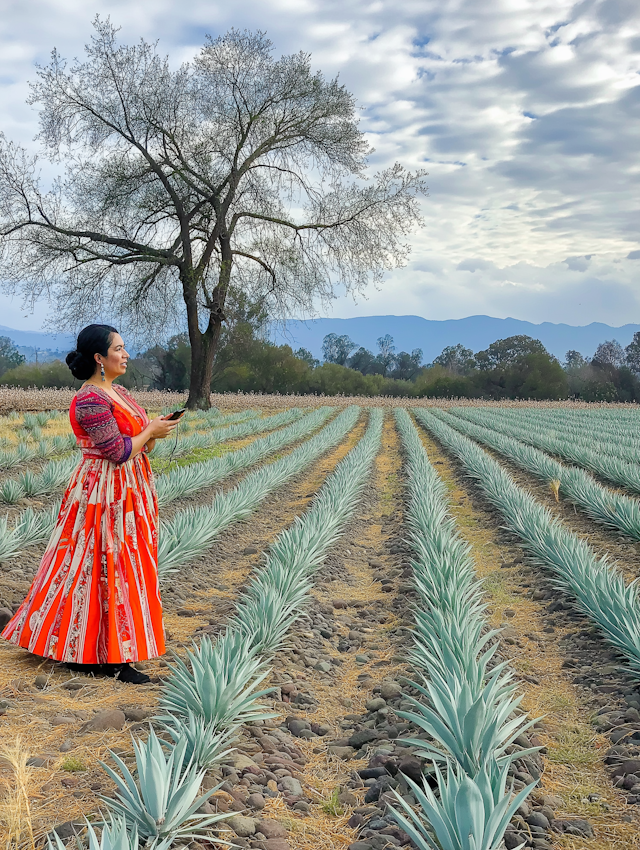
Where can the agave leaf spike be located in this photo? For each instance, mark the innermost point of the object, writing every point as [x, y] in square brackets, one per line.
[469, 810]
[127, 789]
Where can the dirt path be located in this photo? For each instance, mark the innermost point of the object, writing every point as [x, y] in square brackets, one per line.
[540, 646]
[293, 779]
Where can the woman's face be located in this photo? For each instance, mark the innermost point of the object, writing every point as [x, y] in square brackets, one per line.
[115, 363]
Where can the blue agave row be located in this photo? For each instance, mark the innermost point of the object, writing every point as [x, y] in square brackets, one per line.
[595, 586]
[186, 480]
[572, 447]
[601, 504]
[191, 531]
[23, 453]
[213, 436]
[212, 418]
[469, 704]
[619, 425]
[208, 696]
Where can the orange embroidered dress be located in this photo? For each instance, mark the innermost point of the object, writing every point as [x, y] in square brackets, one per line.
[95, 598]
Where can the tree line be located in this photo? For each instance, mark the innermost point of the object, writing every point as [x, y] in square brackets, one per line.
[512, 368]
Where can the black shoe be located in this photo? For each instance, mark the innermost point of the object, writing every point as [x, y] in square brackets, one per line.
[129, 674]
[82, 668]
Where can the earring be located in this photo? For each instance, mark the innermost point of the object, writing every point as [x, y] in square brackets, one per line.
[102, 370]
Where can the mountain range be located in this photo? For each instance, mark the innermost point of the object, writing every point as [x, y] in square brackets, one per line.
[408, 332]
[474, 332]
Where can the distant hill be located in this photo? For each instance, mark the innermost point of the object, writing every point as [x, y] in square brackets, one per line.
[28, 341]
[408, 332]
[474, 332]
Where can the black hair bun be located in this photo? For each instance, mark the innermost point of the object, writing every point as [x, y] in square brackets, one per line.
[81, 368]
[92, 340]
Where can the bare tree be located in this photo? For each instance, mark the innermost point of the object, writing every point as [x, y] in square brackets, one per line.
[337, 348]
[236, 169]
[610, 353]
[632, 353]
[386, 357]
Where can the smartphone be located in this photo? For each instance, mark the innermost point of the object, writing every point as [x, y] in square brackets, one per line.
[176, 414]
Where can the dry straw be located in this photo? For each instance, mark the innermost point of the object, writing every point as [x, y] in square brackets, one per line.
[14, 398]
[16, 782]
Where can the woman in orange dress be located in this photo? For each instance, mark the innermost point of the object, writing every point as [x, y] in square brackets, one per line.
[95, 601]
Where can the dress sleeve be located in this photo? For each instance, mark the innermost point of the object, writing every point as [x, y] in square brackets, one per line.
[95, 416]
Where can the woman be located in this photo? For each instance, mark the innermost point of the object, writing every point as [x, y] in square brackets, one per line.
[95, 602]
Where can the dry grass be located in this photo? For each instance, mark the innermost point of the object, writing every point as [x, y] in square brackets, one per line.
[322, 831]
[28, 723]
[13, 398]
[16, 786]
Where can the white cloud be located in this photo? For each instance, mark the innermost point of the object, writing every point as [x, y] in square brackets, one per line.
[526, 115]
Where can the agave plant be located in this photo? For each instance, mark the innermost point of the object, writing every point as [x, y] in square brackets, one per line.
[219, 683]
[30, 421]
[115, 836]
[33, 527]
[470, 728]
[29, 483]
[11, 492]
[207, 745]
[30, 528]
[162, 800]
[25, 452]
[471, 813]
[264, 619]
[456, 649]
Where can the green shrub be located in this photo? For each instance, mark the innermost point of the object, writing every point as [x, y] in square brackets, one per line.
[55, 374]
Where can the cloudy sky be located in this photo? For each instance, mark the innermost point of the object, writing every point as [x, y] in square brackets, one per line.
[526, 114]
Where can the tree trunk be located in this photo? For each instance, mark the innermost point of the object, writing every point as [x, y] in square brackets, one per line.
[205, 345]
[202, 366]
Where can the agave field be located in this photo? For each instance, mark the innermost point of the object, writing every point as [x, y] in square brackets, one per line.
[389, 624]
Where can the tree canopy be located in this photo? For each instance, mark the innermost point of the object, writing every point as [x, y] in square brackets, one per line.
[457, 359]
[10, 357]
[238, 169]
[336, 348]
[509, 351]
[610, 353]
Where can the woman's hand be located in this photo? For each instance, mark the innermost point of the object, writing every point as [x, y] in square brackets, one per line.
[161, 427]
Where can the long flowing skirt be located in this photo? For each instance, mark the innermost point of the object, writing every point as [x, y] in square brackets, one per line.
[95, 598]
